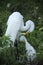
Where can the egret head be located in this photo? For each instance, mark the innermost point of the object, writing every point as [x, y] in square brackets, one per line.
[32, 25]
[23, 39]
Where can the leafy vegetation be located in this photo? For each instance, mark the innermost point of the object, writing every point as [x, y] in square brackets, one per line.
[30, 9]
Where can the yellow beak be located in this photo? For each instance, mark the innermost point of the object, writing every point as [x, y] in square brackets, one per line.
[26, 33]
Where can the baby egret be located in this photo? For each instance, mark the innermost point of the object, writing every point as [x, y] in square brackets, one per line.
[15, 24]
[31, 52]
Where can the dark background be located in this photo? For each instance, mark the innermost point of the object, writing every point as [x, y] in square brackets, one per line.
[30, 9]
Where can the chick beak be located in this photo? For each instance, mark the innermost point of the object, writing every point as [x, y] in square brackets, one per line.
[27, 33]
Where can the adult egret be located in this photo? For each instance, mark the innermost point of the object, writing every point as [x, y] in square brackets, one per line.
[15, 24]
[31, 52]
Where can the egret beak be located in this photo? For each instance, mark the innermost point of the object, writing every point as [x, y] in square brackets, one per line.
[25, 34]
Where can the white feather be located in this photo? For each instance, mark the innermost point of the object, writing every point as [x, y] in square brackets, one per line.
[14, 24]
[31, 24]
[31, 52]
[26, 27]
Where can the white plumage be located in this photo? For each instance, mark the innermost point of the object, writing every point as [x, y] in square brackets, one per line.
[31, 24]
[31, 52]
[15, 25]
[26, 27]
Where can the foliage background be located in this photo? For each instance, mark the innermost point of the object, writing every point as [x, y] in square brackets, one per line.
[30, 9]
